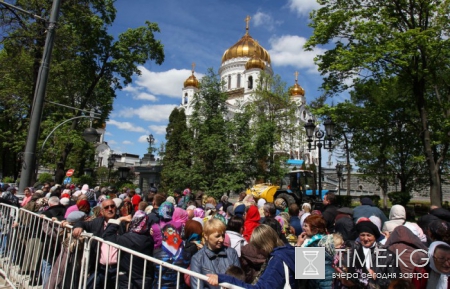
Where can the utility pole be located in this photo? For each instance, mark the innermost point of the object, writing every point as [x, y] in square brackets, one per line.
[29, 162]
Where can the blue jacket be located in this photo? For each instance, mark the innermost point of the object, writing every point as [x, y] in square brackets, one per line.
[168, 276]
[206, 261]
[274, 276]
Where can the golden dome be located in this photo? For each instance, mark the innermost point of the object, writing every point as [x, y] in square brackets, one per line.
[192, 80]
[296, 89]
[255, 62]
[246, 47]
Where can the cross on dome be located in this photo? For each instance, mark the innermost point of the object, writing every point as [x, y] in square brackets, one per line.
[247, 20]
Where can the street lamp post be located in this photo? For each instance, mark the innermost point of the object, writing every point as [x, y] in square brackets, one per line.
[111, 161]
[151, 141]
[322, 139]
[339, 168]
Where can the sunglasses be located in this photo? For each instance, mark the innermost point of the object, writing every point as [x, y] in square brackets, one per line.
[109, 207]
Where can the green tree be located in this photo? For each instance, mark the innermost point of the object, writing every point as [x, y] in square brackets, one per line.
[88, 66]
[212, 169]
[274, 123]
[384, 39]
[177, 159]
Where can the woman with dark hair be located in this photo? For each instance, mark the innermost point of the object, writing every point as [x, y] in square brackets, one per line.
[314, 235]
[280, 270]
[233, 235]
[314, 229]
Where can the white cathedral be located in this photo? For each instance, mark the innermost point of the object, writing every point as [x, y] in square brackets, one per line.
[241, 67]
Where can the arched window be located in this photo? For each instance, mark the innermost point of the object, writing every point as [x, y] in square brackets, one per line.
[238, 81]
[229, 81]
[185, 98]
[250, 82]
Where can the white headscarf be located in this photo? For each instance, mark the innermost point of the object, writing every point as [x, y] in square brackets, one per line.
[437, 279]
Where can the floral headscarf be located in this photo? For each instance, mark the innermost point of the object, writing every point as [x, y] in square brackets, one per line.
[166, 211]
[139, 223]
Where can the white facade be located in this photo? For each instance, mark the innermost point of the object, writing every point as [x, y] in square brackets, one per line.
[240, 70]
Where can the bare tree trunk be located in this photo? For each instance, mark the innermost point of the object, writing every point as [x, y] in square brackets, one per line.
[433, 166]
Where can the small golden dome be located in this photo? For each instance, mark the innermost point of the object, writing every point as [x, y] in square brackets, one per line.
[255, 62]
[296, 89]
[192, 80]
[246, 47]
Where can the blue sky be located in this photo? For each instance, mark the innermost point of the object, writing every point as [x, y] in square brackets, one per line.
[200, 31]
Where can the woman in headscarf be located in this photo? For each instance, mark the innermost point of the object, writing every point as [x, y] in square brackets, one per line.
[165, 213]
[305, 212]
[438, 268]
[179, 218]
[363, 272]
[397, 217]
[409, 249]
[199, 215]
[252, 218]
[138, 239]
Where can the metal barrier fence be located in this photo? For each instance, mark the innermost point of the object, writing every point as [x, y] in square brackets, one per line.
[38, 252]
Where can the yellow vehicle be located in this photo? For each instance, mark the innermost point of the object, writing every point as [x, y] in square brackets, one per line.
[293, 188]
[265, 191]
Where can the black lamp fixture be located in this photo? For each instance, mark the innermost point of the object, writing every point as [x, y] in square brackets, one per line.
[339, 169]
[123, 173]
[318, 138]
[90, 134]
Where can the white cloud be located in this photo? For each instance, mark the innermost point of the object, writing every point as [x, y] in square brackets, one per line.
[112, 142]
[126, 126]
[303, 7]
[158, 129]
[263, 19]
[149, 112]
[127, 142]
[168, 83]
[288, 50]
[108, 133]
[143, 139]
[145, 96]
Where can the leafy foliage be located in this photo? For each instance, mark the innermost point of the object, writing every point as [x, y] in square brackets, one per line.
[88, 66]
[177, 157]
[45, 178]
[400, 198]
[386, 41]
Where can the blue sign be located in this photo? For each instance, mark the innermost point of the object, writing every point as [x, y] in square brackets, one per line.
[67, 180]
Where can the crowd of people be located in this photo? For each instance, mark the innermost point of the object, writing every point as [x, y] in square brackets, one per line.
[250, 243]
